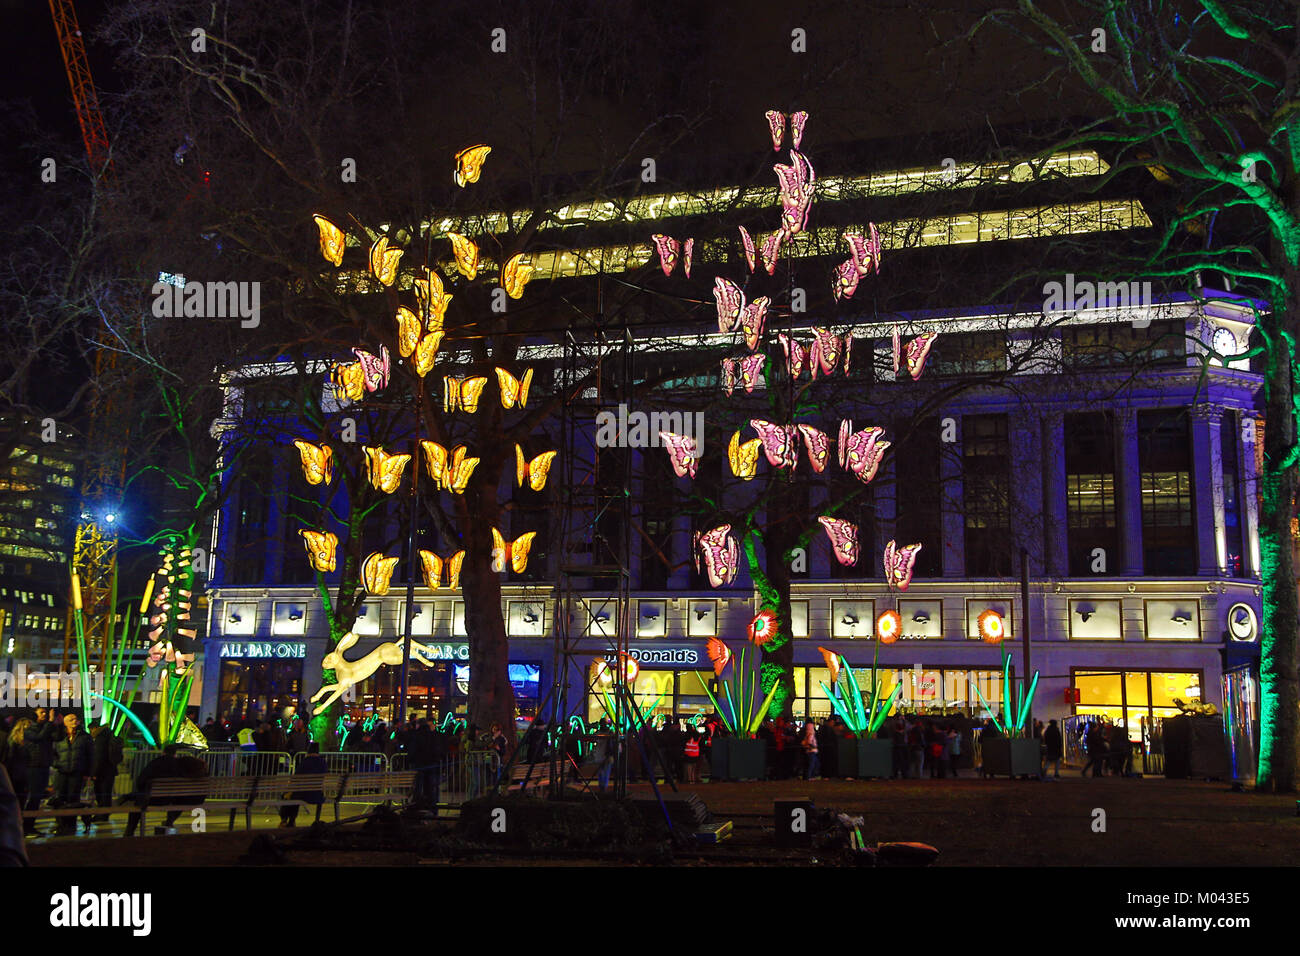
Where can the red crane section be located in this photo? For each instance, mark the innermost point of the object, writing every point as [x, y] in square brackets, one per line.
[83, 88]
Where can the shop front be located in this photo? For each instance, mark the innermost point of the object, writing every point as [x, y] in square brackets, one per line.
[259, 679]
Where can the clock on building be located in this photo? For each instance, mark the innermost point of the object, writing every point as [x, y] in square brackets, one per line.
[1224, 342]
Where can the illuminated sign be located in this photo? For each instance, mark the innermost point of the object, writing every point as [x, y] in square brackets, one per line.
[662, 655]
[441, 652]
[268, 649]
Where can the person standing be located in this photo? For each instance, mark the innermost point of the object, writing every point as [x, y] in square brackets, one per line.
[16, 763]
[1118, 750]
[691, 756]
[900, 748]
[108, 757]
[1096, 743]
[953, 741]
[39, 741]
[1052, 749]
[74, 763]
[812, 753]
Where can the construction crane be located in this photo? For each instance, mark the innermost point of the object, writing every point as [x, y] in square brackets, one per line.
[94, 553]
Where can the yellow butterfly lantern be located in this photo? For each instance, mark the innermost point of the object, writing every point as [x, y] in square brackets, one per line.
[349, 380]
[408, 331]
[321, 547]
[466, 254]
[433, 301]
[332, 240]
[535, 471]
[515, 274]
[426, 353]
[449, 470]
[385, 469]
[744, 457]
[433, 566]
[383, 261]
[317, 462]
[469, 163]
[377, 573]
[462, 393]
[514, 391]
[513, 552]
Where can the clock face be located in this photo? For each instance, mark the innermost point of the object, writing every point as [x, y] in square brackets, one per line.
[1242, 624]
[1224, 342]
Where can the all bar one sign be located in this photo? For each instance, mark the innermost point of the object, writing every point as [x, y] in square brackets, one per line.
[269, 649]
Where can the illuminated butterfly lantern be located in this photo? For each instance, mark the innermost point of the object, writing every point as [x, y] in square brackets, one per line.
[748, 371]
[385, 469]
[426, 353]
[514, 391]
[462, 393]
[173, 636]
[384, 261]
[771, 250]
[917, 351]
[864, 256]
[332, 240]
[827, 347]
[720, 554]
[317, 462]
[818, 446]
[889, 627]
[321, 549]
[349, 381]
[465, 253]
[719, 654]
[434, 565]
[408, 331]
[780, 443]
[763, 628]
[533, 471]
[743, 457]
[899, 563]
[844, 539]
[450, 470]
[431, 298]
[747, 244]
[776, 125]
[796, 356]
[469, 163]
[514, 553]
[374, 368]
[733, 313]
[992, 629]
[681, 452]
[861, 452]
[377, 572]
[671, 251]
[798, 185]
[516, 274]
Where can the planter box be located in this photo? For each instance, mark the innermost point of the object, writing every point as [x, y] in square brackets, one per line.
[1012, 756]
[875, 758]
[737, 759]
[846, 753]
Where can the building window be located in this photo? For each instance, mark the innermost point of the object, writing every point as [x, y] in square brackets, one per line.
[1136, 697]
[1120, 344]
[1234, 537]
[986, 494]
[249, 530]
[657, 514]
[258, 690]
[919, 493]
[1164, 456]
[660, 693]
[1090, 494]
[970, 353]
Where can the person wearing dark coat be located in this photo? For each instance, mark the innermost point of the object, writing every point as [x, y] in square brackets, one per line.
[74, 764]
[170, 765]
[16, 763]
[39, 743]
[13, 852]
[1052, 749]
[427, 749]
[1118, 750]
[313, 763]
[108, 757]
[1096, 744]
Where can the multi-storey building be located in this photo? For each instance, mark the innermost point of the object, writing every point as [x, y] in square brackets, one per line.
[1088, 440]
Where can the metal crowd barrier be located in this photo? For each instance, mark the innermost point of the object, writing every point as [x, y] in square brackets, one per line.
[240, 763]
[349, 762]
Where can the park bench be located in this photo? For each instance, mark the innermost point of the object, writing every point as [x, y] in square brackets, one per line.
[378, 788]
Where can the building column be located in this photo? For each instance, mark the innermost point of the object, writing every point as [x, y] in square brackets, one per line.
[1056, 517]
[952, 520]
[1128, 491]
[1207, 489]
[1029, 517]
[1248, 493]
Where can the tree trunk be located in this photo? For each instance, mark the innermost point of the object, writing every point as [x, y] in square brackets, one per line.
[491, 697]
[1279, 698]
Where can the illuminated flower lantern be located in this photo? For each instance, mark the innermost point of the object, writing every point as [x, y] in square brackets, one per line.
[606, 674]
[992, 630]
[889, 626]
[762, 628]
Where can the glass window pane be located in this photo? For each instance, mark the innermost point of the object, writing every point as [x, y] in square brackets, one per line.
[1135, 687]
[1098, 690]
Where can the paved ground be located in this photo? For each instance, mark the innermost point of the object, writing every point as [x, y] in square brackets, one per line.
[1148, 822]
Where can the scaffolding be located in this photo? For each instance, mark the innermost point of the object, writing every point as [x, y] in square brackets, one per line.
[593, 584]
